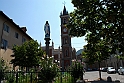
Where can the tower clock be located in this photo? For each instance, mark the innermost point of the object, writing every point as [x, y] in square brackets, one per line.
[65, 40]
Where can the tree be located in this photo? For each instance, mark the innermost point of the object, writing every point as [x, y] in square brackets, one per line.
[77, 69]
[27, 55]
[3, 68]
[96, 53]
[102, 18]
[102, 23]
[48, 69]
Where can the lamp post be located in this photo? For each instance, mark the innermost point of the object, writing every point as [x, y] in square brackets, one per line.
[117, 56]
[59, 58]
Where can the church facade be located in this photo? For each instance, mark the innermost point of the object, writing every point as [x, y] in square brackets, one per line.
[65, 40]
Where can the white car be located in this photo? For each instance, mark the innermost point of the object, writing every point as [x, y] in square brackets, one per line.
[111, 70]
[121, 70]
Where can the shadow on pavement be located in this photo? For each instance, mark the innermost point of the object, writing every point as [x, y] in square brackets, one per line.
[103, 81]
[100, 81]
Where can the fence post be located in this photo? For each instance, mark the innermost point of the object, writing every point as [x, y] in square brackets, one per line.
[31, 77]
[17, 77]
[1, 73]
[61, 77]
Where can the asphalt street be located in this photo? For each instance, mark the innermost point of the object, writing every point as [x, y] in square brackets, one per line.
[94, 75]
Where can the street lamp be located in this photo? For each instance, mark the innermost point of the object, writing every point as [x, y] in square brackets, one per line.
[118, 55]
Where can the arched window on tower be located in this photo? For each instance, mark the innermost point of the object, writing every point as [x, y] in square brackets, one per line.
[65, 41]
[61, 20]
[66, 52]
[64, 21]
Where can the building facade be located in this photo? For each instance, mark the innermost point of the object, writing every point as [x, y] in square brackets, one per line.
[10, 34]
[56, 53]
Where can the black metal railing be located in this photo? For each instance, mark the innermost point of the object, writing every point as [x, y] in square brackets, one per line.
[32, 77]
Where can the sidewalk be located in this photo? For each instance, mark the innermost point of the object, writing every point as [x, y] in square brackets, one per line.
[103, 81]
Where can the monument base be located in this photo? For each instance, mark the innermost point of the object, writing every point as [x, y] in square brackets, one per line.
[47, 45]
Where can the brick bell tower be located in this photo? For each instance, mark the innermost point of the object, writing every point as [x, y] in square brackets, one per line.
[65, 40]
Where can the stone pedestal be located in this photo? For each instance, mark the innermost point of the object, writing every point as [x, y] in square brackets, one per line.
[47, 46]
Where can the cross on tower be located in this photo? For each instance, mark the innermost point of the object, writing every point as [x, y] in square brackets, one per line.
[64, 3]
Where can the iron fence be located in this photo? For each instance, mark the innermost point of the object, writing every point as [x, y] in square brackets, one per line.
[32, 77]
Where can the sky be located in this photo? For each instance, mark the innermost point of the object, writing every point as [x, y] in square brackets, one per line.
[34, 13]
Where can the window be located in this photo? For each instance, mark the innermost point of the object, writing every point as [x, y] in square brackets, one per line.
[65, 41]
[16, 35]
[23, 39]
[4, 43]
[6, 28]
[14, 45]
[66, 52]
[64, 21]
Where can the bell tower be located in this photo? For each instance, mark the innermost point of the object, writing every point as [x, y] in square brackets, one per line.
[65, 40]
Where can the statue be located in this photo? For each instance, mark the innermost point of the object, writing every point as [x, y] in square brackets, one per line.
[47, 30]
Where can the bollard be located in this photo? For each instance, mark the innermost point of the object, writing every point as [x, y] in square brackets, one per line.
[109, 79]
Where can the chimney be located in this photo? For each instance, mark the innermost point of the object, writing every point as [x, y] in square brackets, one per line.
[24, 29]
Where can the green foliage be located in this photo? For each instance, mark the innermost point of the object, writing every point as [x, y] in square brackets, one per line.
[10, 77]
[96, 52]
[65, 77]
[48, 69]
[101, 19]
[27, 55]
[77, 69]
[23, 77]
[3, 68]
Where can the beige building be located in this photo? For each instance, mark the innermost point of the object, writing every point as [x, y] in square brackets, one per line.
[10, 34]
[112, 61]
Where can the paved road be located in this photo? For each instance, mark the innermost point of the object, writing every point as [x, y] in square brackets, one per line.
[94, 75]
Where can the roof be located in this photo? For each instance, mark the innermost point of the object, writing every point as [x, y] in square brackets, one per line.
[11, 21]
[73, 49]
[65, 12]
[79, 52]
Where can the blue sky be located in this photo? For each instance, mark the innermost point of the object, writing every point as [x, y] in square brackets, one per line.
[34, 13]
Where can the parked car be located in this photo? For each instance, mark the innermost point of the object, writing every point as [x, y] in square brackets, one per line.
[89, 69]
[101, 68]
[94, 69]
[111, 70]
[121, 70]
[104, 69]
